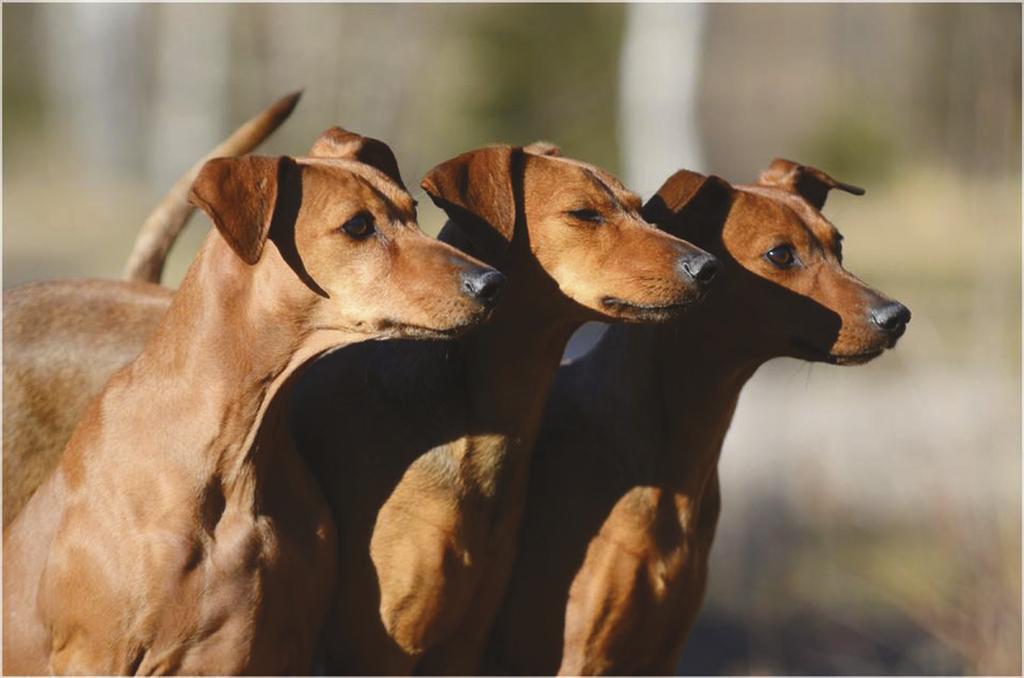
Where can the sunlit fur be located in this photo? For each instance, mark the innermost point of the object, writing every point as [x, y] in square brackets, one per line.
[426, 478]
[623, 491]
[180, 533]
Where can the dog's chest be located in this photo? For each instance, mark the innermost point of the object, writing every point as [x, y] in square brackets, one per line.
[200, 589]
[224, 593]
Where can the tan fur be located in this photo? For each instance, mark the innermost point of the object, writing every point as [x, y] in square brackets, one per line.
[180, 532]
[58, 353]
[63, 339]
[623, 493]
[427, 479]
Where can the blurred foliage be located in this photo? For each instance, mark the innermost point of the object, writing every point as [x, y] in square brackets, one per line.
[24, 105]
[551, 72]
[969, 99]
[940, 81]
[853, 144]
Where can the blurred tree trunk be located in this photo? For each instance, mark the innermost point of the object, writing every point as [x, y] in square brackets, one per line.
[96, 90]
[659, 76]
[365, 90]
[187, 109]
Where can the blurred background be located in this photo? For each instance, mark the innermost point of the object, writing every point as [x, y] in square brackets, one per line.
[872, 516]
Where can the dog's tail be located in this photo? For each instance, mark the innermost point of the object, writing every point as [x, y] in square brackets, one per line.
[166, 221]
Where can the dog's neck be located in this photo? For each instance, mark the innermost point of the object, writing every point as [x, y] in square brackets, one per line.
[511, 362]
[681, 379]
[229, 343]
[512, 359]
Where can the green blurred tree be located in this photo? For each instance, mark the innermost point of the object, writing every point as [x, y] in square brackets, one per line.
[547, 71]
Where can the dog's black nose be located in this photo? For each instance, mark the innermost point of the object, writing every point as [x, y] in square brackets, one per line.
[891, 317]
[700, 266]
[484, 284]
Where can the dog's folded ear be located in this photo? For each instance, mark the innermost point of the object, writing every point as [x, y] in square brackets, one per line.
[690, 205]
[239, 195]
[810, 183]
[543, 148]
[340, 143]
[477, 192]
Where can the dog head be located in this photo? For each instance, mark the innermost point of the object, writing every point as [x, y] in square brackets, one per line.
[783, 287]
[342, 224]
[567, 230]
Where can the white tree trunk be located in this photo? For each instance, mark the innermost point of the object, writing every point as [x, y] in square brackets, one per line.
[658, 81]
[92, 82]
[188, 115]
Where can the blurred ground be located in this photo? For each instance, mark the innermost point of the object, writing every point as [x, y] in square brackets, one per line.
[871, 516]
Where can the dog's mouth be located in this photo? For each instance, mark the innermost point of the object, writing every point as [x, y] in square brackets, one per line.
[628, 310]
[810, 352]
[401, 330]
[415, 332]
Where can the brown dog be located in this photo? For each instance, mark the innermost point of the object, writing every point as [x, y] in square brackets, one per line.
[423, 448]
[64, 338]
[180, 532]
[623, 494]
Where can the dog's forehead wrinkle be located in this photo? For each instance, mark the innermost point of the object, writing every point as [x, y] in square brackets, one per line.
[608, 185]
[823, 233]
[777, 195]
[379, 182]
[633, 201]
[617, 200]
[373, 194]
[789, 214]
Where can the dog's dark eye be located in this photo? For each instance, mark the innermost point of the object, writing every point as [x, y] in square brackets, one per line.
[593, 216]
[782, 256]
[359, 226]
